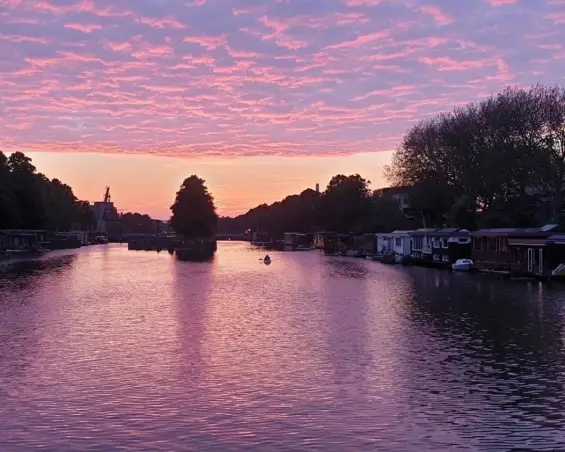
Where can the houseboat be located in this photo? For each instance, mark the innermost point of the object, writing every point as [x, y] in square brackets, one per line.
[319, 239]
[401, 246]
[294, 241]
[421, 245]
[368, 246]
[515, 252]
[337, 244]
[441, 247]
[490, 251]
[384, 243]
[556, 255]
[15, 241]
[384, 251]
[533, 252]
[261, 238]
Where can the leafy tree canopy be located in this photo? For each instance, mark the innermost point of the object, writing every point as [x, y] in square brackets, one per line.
[491, 163]
[29, 200]
[194, 212]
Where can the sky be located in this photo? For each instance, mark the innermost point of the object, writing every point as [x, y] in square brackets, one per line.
[262, 98]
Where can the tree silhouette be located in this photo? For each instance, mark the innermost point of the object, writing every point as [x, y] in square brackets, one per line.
[194, 213]
[346, 203]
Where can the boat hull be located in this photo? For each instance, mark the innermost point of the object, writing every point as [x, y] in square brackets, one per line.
[461, 267]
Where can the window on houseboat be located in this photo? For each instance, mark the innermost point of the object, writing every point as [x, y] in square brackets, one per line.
[492, 244]
[502, 244]
[477, 244]
[445, 258]
[436, 257]
[398, 242]
[444, 242]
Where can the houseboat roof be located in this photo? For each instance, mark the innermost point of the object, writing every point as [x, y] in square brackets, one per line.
[337, 236]
[544, 231]
[399, 232]
[21, 232]
[423, 231]
[452, 232]
[558, 239]
[495, 232]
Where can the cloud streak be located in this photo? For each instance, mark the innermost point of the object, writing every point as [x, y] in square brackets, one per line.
[288, 78]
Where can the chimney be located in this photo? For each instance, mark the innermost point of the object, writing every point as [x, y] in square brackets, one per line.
[317, 188]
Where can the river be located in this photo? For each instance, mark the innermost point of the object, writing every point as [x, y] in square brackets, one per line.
[107, 349]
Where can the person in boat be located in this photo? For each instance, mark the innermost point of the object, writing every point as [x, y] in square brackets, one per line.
[267, 259]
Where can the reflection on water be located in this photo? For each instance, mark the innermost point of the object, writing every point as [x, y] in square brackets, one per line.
[102, 348]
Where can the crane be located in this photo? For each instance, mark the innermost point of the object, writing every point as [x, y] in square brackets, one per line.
[102, 214]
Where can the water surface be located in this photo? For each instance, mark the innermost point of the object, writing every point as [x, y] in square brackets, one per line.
[105, 349]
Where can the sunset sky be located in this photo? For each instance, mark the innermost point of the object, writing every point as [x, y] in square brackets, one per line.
[260, 98]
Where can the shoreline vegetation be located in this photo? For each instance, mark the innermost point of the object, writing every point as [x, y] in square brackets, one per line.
[499, 162]
[495, 163]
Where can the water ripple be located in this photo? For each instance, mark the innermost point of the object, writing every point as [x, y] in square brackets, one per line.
[105, 349]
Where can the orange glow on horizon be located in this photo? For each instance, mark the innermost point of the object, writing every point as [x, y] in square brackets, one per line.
[147, 183]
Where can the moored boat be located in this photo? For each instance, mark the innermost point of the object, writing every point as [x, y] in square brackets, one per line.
[462, 265]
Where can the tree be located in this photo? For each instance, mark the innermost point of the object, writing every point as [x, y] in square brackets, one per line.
[345, 205]
[552, 101]
[29, 190]
[29, 200]
[295, 213]
[9, 212]
[194, 213]
[84, 216]
[486, 164]
[63, 208]
[386, 215]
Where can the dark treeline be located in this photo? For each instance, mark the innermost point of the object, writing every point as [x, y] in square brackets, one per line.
[30, 200]
[499, 162]
[347, 205]
[132, 223]
[496, 163]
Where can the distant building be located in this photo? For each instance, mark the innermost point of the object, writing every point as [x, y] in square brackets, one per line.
[98, 209]
[400, 194]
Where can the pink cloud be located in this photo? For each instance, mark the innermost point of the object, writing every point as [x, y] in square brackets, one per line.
[502, 2]
[360, 40]
[364, 2]
[449, 64]
[163, 22]
[22, 38]
[557, 18]
[289, 80]
[437, 14]
[210, 42]
[401, 90]
[85, 28]
[119, 46]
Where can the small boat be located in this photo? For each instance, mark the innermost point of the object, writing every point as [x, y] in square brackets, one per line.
[462, 265]
[267, 259]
